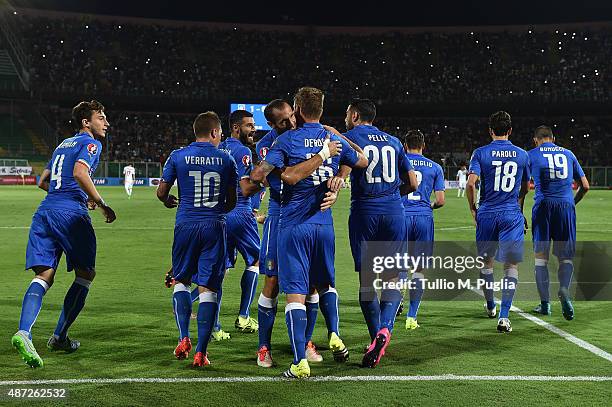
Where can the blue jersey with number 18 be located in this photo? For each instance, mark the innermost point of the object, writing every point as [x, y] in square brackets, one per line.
[204, 174]
[502, 167]
[64, 191]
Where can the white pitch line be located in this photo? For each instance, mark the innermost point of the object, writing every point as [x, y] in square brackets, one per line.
[565, 335]
[457, 228]
[258, 379]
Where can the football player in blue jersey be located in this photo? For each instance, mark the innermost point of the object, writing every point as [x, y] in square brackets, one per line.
[503, 170]
[242, 232]
[207, 180]
[419, 215]
[554, 169]
[377, 214]
[62, 225]
[280, 117]
[306, 235]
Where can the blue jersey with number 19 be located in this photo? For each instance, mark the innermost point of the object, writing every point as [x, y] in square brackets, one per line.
[375, 189]
[64, 190]
[300, 203]
[204, 174]
[502, 167]
[553, 169]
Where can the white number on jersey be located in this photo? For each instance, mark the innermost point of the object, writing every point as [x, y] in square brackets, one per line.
[388, 163]
[414, 196]
[557, 165]
[56, 170]
[505, 175]
[321, 174]
[202, 194]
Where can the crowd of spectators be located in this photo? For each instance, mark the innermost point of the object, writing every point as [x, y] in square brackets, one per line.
[150, 137]
[83, 55]
[87, 56]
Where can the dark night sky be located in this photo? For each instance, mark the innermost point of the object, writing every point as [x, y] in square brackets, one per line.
[372, 13]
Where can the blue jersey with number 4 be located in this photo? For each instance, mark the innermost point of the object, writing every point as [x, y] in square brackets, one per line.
[64, 191]
[300, 203]
[204, 174]
[375, 189]
[553, 169]
[502, 167]
[430, 177]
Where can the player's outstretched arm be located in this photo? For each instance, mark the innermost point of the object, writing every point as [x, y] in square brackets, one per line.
[293, 175]
[410, 182]
[43, 182]
[81, 175]
[583, 188]
[163, 194]
[470, 193]
[440, 200]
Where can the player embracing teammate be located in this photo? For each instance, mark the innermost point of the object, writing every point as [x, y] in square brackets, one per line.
[306, 234]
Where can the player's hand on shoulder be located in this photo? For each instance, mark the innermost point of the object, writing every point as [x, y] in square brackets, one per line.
[171, 202]
[261, 219]
[335, 183]
[329, 200]
[330, 148]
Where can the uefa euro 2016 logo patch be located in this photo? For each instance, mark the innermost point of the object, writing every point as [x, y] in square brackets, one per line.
[92, 149]
[263, 152]
[246, 160]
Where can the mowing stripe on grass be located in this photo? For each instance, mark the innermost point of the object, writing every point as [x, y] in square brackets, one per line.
[257, 379]
[565, 335]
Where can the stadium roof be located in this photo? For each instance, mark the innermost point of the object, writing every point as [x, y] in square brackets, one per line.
[406, 13]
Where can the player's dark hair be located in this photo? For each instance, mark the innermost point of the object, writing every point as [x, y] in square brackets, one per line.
[500, 122]
[205, 123]
[543, 132]
[237, 115]
[275, 104]
[414, 139]
[366, 109]
[84, 110]
[310, 101]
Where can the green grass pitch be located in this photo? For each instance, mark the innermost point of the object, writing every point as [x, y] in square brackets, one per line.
[127, 328]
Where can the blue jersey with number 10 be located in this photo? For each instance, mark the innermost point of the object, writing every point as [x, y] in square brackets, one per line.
[553, 169]
[64, 191]
[502, 167]
[375, 189]
[204, 174]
